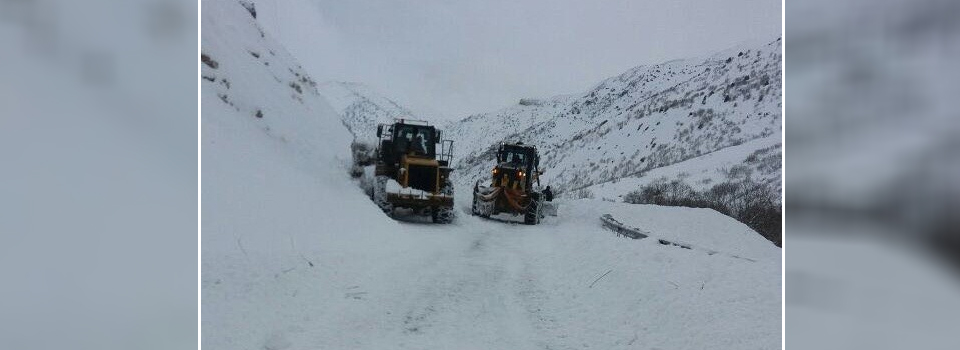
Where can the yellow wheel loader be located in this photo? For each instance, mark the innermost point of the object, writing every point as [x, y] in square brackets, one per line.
[411, 172]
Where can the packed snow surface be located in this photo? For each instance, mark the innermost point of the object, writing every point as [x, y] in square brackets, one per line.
[295, 256]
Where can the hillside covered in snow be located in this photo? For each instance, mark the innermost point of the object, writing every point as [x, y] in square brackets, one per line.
[361, 108]
[294, 254]
[634, 125]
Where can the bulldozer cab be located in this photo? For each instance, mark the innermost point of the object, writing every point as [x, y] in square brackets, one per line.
[415, 140]
[517, 163]
[412, 138]
[515, 158]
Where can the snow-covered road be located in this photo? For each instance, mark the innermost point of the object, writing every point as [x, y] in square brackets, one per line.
[477, 293]
[481, 284]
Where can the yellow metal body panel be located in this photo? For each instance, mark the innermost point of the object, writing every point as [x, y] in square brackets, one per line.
[406, 161]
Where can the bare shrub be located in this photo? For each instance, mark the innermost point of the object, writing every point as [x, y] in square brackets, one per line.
[583, 193]
[739, 171]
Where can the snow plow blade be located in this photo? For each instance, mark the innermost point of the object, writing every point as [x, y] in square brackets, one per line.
[549, 208]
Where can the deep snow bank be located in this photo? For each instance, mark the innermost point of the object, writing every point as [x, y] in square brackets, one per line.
[582, 286]
[703, 228]
[276, 199]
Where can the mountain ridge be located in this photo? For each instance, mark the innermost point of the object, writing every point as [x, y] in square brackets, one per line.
[722, 97]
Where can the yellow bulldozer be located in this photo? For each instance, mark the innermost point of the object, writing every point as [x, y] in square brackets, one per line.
[413, 170]
[514, 186]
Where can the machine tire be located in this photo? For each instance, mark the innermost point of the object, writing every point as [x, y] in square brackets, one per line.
[380, 194]
[447, 188]
[442, 215]
[473, 205]
[532, 215]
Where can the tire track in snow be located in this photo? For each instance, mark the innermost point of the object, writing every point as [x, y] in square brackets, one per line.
[475, 296]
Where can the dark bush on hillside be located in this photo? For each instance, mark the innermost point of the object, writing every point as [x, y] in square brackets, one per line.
[661, 192]
[583, 193]
[250, 6]
[749, 202]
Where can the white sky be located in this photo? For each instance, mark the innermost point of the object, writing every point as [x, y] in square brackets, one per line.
[450, 58]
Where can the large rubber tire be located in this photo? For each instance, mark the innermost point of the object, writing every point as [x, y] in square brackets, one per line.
[442, 215]
[380, 194]
[473, 202]
[473, 205]
[447, 188]
[532, 215]
[476, 208]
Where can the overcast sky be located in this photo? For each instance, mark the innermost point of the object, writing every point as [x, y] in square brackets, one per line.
[452, 58]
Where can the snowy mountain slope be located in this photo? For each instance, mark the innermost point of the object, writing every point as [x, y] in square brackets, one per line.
[361, 108]
[294, 255]
[646, 118]
[758, 159]
[272, 251]
[258, 79]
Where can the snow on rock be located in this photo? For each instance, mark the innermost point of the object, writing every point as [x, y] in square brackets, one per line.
[262, 83]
